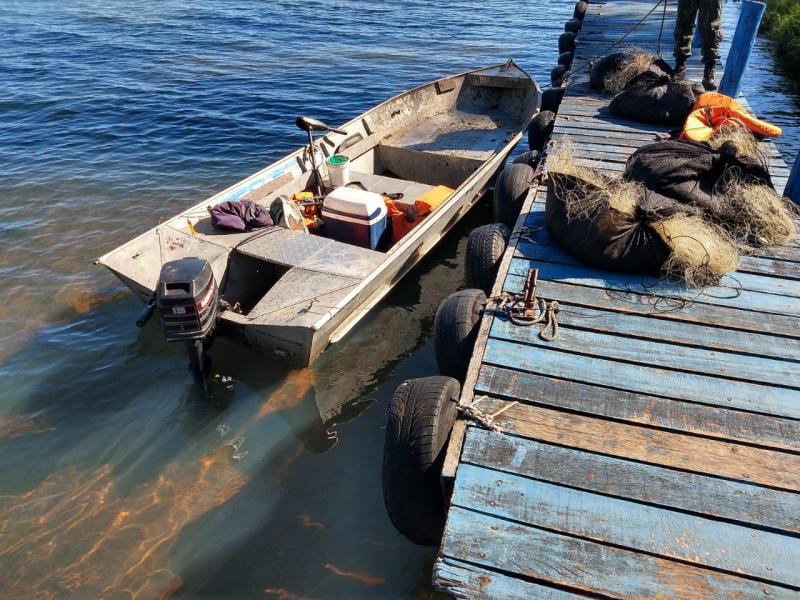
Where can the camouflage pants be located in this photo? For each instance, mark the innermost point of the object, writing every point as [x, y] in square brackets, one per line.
[710, 22]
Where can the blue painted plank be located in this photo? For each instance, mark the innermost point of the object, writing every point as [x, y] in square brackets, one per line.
[779, 470]
[735, 501]
[720, 296]
[630, 407]
[730, 365]
[646, 380]
[744, 39]
[793, 184]
[782, 331]
[728, 547]
[597, 312]
[468, 581]
[587, 566]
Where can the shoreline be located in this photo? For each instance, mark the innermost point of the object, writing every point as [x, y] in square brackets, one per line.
[782, 25]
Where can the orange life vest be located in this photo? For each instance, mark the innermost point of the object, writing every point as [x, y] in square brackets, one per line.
[712, 111]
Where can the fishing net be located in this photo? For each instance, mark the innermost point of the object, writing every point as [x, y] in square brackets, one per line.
[700, 253]
[624, 226]
[756, 214]
[740, 138]
[657, 99]
[613, 72]
[692, 173]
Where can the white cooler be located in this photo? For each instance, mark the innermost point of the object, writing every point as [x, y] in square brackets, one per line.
[354, 216]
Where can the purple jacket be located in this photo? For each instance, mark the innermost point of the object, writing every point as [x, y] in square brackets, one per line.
[240, 215]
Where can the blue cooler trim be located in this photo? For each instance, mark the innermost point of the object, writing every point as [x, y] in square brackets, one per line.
[357, 234]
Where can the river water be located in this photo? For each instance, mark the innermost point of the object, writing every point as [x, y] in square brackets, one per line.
[117, 479]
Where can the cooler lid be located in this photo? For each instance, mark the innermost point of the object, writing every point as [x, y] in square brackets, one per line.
[352, 201]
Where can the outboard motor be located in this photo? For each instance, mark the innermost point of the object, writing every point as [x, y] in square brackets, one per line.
[187, 299]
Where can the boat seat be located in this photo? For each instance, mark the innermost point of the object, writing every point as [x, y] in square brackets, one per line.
[288, 248]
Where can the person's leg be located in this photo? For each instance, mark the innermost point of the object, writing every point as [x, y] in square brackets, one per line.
[710, 21]
[684, 32]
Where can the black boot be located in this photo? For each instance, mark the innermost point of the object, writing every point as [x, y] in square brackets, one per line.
[709, 78]
[680, 67]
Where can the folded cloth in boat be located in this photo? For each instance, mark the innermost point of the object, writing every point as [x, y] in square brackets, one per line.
[240, 215]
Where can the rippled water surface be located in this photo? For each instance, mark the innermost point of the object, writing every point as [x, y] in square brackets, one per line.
[117, 479]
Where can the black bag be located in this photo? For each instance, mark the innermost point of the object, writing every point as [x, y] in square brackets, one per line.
[608, 238]
[656, 99]
[609, 64]
[692, 173]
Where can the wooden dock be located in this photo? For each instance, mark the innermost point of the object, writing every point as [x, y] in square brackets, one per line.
[653, 449]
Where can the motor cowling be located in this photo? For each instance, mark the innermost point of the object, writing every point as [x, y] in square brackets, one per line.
[187, 298]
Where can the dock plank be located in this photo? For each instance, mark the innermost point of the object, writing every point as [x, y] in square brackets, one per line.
[609, 403]
[656, 447]
[589, 566]
[626, 524]
[691, 387]
[727, 500]
[669, 355]
[467, 580]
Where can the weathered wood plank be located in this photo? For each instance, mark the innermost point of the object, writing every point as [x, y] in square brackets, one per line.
[719, 363]
[783, 329]
[588, 566]
[708, 420]
[666, 533]
[692, 387]
[706, 496]
[655, 446]
[719, 295]
[640, 321]
[468, 581]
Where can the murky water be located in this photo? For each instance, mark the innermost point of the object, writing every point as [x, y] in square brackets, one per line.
[117, 480]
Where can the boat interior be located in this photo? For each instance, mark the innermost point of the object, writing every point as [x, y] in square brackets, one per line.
[436, 135]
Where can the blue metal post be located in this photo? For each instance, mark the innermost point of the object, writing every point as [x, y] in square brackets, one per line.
[742, 46]
[793, 185]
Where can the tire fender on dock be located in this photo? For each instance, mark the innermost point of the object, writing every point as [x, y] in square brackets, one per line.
[455, 330]
[540, 130]
[551, 99]
[485, 248]
[557, 75]
[510, 189]
[566, 42]
[420, 417]
[573, 25]
[580, 9]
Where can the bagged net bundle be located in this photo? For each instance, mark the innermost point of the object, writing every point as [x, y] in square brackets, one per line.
[613, 72]
[596, 219]
[692, 173]
[623, 226]
[656, 99]
[700, 253]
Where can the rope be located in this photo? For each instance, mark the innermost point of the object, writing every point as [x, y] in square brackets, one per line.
[509, 305]
[661, 29]
[476, 415]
